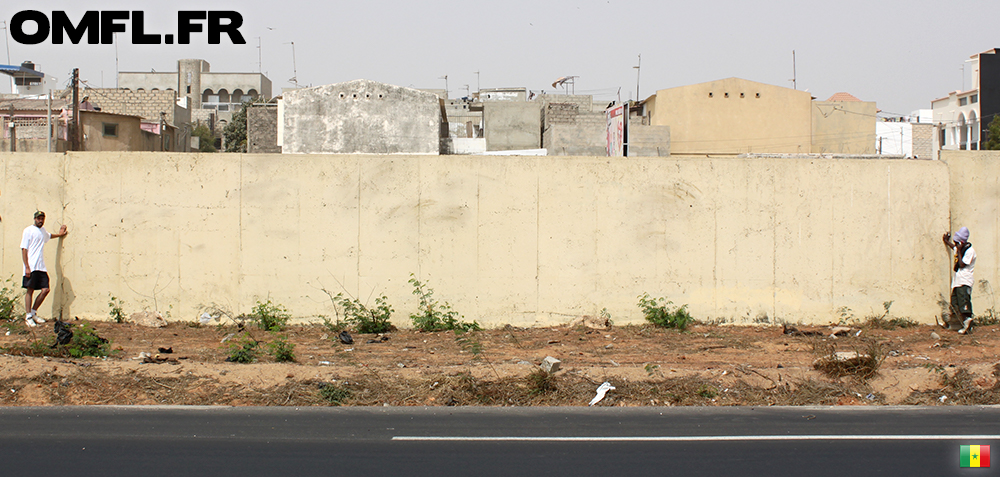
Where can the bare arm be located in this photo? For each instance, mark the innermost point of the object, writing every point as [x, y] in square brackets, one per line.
[24, 256]
[62, 232]
[946, 238]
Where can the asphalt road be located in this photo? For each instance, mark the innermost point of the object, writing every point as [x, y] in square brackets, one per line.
[153, 441]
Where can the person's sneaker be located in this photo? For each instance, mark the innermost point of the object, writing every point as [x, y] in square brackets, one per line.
[30, 322]
[966, 326]
[38, 319]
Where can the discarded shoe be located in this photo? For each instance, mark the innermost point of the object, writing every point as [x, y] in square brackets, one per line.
[345, 337]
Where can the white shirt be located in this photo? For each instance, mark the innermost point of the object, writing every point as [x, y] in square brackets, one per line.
[964, 275]
[33, 240]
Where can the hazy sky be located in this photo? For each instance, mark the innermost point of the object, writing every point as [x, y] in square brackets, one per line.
[900, 54]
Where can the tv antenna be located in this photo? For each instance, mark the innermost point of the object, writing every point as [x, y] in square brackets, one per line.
[566, 82]
[295, 71]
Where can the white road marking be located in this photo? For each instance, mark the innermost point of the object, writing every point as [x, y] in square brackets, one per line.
[704, 438]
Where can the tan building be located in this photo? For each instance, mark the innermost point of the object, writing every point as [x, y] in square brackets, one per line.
[737, 116]
[843, 124]
[101, 130]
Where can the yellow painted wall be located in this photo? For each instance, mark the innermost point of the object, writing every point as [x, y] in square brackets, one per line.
[520, 240]
[753, 118]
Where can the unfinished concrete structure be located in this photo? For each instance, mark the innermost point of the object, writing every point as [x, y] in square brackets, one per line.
[361, 117]
[262, 128]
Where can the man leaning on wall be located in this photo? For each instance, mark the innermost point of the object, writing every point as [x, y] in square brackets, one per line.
[962, 281]
[36, 277]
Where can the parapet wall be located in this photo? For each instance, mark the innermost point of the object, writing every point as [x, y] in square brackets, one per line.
[519, 240]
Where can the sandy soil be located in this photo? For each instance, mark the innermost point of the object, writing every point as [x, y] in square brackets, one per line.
[705, 365]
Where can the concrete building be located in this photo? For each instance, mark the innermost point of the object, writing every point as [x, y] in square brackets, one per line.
[964, 116]
[360, 117]
[208, 95]
[735, 116]
[262, 129]
[100, 130]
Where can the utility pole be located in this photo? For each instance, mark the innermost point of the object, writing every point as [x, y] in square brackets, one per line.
[638, 69]
[445, 78]
[794, 72]
[74, 140]
[11, 128]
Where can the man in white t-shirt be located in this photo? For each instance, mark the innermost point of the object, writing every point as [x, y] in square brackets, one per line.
[961, 284]
[36, 276]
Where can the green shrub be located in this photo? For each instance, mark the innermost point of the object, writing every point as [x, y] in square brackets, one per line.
[10, 300]
[364, 319]
[270, 316]
[244, 350]
[86, 342]
[334, 394]
[434, 315]
[116, 313]
[282, 350]
[659, 312]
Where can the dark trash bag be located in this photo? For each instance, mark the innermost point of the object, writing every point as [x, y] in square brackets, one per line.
[63, 333]
[345, 338]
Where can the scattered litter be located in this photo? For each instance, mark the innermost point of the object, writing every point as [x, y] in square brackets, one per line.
[524, 363]
[349, 349]
[345, 337]
[601, 391]
[8, 332]
[435, 384]
[922, 357]
[553, 341]
[613, 362]
[324, 336]
[400, 365]
[143, 355]
[870, 396]
[63, 333]
[935, 336]
[943, 398]
[609, 346]
[227, 337]
[324, 363]
[857, 334]
[380, 339]
[205, 318]
[550, 364]
[166, 350]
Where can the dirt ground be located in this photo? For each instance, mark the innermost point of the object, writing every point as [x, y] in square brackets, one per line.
[704, 365]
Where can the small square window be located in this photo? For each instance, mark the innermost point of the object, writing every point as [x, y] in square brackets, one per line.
[963, 101]
[110, 129]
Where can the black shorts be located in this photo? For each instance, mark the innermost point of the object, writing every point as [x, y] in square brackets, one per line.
[961, 299]
[37, 281]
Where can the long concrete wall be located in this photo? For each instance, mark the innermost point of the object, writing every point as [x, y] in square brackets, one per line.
[520, 240]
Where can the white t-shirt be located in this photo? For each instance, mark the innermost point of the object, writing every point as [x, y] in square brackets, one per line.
[964, 275]
[33, 240]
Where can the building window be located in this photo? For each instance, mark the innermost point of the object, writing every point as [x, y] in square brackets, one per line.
[110, 129]
[974, 99]
[963, 101]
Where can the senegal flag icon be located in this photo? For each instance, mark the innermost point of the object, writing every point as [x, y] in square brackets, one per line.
[975, 456]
